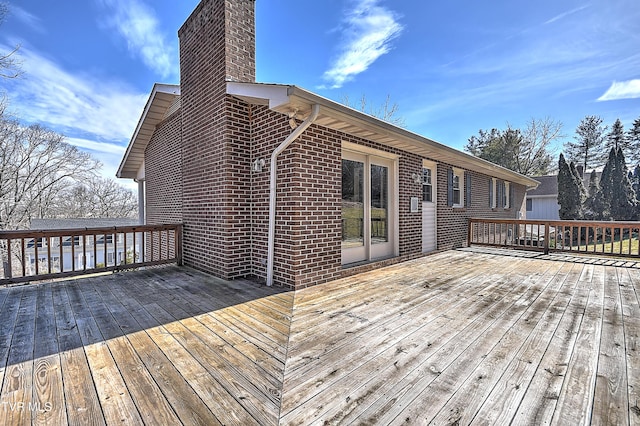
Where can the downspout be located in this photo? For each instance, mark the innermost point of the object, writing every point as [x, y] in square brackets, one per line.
[273, 184]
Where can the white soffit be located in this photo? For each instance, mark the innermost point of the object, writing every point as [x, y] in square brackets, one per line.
[291, 99]
[163, 99]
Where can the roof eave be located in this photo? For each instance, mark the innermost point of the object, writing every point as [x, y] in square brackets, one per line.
[298, 101]
[131, 163]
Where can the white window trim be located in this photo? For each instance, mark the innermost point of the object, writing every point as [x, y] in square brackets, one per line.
[507, 195]
[494, 193]
[432, 183]
[461, 187]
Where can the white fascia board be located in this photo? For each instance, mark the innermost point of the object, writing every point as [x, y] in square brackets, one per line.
[384, 128]
[274, 95]
[157, 88]
[549, 196]
[288, 99]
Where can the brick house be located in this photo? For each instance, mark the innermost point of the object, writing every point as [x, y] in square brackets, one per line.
[280, 184]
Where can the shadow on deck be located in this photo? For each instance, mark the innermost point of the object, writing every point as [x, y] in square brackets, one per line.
[464, 336]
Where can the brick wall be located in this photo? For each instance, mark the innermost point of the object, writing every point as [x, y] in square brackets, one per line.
[308, 226]
[217, 43]
[452, 223]
[307, 239]
[224, 206]
[163, 173]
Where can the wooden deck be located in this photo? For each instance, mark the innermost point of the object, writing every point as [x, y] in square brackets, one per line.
[460, 337]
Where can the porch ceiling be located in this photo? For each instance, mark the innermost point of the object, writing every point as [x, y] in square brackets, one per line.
[294, 100]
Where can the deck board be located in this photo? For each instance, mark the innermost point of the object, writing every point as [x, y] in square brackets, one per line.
[460, 337]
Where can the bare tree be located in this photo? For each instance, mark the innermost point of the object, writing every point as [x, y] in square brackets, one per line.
[387, 111]
[526, 151]
[535, 153]
[9, 62]
[96, 197]
[35, 166]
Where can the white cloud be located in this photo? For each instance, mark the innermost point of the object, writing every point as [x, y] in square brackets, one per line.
[25, 17]
[109, 154]
[74, 104]
[101, 147]
[622, 90]
[137, 23]
[369, 29]
[565, 14]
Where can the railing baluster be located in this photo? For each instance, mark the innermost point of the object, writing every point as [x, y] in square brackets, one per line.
[49, 255]
[35, 254]
[73, 252]
[84, 252]
[61, 254]
[165, 241]
[9, 262]
[24, 266]
[600, 238]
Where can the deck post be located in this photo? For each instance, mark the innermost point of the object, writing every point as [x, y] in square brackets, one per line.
[178, 239]
[546, 238]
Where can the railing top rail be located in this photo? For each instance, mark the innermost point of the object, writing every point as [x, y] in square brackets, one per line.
[40, 233]
[606, 224]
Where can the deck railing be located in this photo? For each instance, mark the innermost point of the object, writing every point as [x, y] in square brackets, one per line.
[32, 255]
[602, 238]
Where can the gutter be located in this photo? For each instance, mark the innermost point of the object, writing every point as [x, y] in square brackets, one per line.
[315, 110]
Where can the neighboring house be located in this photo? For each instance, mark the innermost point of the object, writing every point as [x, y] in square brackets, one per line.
[108, 253]
[542, 202]
[278, 183]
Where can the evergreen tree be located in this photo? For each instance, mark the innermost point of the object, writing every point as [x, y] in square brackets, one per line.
[578, 181]
[623, 198]
[616, 138]
[570, 197]
[594, 206]
[635, 181]
[633, 139]
[618, 194]
[607, 186]
[635, 184]
[589, 140]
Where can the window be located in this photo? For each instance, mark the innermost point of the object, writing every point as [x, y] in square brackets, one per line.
[499, 194]
[506, 202]
[456, 190]
[493, 190]
[458, 181]
[427, 185]
[529, 204]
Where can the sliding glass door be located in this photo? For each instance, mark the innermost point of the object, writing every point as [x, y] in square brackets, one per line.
[367, 209]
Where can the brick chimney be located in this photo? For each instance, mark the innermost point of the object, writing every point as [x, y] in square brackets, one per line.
[217, 44]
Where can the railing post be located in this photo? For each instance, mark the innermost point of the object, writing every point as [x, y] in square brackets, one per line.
[546, 238]
[179, 245]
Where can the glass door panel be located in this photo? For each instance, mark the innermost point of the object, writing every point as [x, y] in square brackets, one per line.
[379, 204]
[352, 203]
[367, 208]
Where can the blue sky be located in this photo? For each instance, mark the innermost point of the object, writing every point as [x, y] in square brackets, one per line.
[453, 67]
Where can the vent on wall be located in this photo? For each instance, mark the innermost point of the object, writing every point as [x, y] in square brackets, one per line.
[414, 204]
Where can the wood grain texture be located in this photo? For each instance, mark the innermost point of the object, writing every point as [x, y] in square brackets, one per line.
[471, 336]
